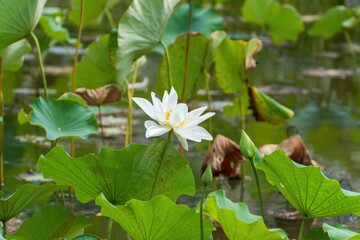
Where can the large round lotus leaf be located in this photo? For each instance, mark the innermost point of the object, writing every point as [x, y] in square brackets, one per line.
[63, 118]
[18, 18]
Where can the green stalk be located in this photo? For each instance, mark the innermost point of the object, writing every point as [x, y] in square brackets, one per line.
[258, 188]
[242, 116]
[109, 228]
[110, 19]
[101, 126]
[1, 129]
[130, 93]
[201, 213]
[167, 55]
[302, 229]
[40, 63]
[4, 227]
[208, 97]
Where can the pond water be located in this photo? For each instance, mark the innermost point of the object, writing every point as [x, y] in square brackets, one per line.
[327, 116]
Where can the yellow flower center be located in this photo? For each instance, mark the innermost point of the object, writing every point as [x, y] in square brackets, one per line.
[181, 124]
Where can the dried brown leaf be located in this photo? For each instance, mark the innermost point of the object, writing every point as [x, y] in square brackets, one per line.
[96, 97]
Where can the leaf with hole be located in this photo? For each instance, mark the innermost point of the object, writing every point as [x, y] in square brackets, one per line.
[136, 171]
[307, 189]
[158, 218]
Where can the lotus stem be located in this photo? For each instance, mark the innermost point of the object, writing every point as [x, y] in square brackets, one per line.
[187, 50]
[4, 227]
[201, 213]
[208, 97]
[130, 92]
[242, 186]
[109, 228]
[167, 55]
[1, 129]
[110, 19]
[349, 42]
[302, 228]
[38, 49]
[258, 188]
[101, 126]
[243, 125]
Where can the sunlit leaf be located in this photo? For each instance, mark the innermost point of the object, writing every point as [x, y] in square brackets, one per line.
[197, 54]
[254, 46]
[236, 220]
[307, 189]
[95, 68]
[25, 196]
[23, 117]
[140, 30]
[331, 23]
[136, 171]
[339, 232]
[51, 222]
[158, 218]
[54, 30]
[13, 55]
[18, 18]
[267, 109]
[63, 118]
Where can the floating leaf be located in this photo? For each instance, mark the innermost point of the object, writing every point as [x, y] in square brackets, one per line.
[54, 31]
[307, 189]
[236, 220]
[224, 156]
[331, 23]
[18, 18]
[282, 22]
[13, 55]
[267, 109]
[51, 222]
[140, 30]
[62, 118]
[197, 53]
[158, 218]
[339, 232]
[96, 97]
[95, 69]
[25, 196]
[136, 171]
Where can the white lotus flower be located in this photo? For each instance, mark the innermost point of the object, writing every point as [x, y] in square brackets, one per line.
[171, 115]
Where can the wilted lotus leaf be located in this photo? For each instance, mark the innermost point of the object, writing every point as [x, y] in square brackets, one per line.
[253, 46]
[267, 109]
[96, 97]
[224, 157]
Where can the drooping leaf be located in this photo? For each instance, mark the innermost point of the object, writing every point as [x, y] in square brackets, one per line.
[25, 196]
[18, 18]
[339, 232]
[236, 220]
[282, 22]
[51, 222]
[158, 218]
[96, 97]
[197, 53]
[136, 171]
[140, 30]
[95, 68]
[204, 20]
[331, 23]
[254, 46]
[13, 55]
[55, 31]
[63, 118]
[307, 189]
[267, 109]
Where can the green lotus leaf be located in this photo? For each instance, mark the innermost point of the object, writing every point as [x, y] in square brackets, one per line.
[51, 222]
[158, 218]
[73, 97]
[197, 54]
[63, 118]
[316, 233]
[136, 171]
[268, 109]
[339, 232]
[283, 22]
[204, 20]
[95, 69]
[18, 18]
[140, 30]
[307, 189]
[13, 55]
[55, 31]
[25, 196]
[236, 220]
[86, 237]
[331, 23]
[23, 117]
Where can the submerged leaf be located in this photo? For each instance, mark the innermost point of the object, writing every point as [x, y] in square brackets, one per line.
[62, 118]
[267, 109]
[18, 18]
[136, 171]
[158, 218]
[96, 97]
[307, 189]
[236, 220]
[51, 222]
